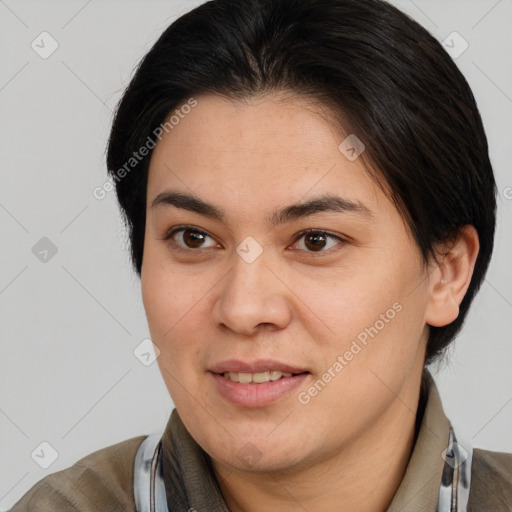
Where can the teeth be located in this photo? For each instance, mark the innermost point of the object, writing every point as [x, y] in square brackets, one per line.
[257, 378]
[245, 378]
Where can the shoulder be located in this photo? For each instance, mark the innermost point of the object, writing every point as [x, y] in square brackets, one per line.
[103, 480]
[491, 482]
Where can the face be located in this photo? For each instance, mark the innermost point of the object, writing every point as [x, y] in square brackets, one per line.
[281, 286]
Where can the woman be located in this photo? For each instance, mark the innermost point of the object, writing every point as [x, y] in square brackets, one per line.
[311, 210]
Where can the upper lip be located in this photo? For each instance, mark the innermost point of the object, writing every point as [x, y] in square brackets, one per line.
[261, 365]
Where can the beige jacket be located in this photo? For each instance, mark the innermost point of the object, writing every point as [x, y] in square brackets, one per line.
[103, 480]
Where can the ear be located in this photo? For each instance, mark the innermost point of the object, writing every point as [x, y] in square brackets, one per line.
[450, 277]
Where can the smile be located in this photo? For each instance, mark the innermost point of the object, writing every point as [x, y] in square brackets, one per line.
[256, 378]
[256, 384]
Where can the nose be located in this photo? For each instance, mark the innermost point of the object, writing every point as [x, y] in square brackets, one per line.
[252, 298]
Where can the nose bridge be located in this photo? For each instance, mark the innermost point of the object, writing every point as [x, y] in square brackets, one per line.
[251, 294]
[249, 278]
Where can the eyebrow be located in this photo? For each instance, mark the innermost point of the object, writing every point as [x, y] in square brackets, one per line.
[324, 203]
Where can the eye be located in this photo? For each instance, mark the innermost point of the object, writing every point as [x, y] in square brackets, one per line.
[190, 237]
[317, 241]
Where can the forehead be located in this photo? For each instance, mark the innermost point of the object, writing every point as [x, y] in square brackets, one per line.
[265, 151]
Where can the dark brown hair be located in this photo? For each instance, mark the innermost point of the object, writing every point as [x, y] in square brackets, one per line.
[399, 91]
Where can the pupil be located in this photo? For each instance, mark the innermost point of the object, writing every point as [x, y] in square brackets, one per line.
[315, 242]
[193, 238]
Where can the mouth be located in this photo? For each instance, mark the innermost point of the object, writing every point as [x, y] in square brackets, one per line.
[259, 377]
[256, 384]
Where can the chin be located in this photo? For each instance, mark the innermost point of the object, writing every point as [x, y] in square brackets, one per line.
[256, 453]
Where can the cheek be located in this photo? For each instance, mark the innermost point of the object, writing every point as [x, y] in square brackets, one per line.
[169, 297]
[171, 312]
[177, 312]
[345, 304]
[375, 311]
[367, 358]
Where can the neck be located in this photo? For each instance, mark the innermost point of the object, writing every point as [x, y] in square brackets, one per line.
[364, 475]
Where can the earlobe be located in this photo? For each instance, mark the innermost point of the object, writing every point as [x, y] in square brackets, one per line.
[450, 278]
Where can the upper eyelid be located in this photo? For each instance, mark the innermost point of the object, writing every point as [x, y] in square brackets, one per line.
[184, 227]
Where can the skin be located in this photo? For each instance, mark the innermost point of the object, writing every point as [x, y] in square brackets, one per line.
[294, 304]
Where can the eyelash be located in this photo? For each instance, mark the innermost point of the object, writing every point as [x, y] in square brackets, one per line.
[168, 237]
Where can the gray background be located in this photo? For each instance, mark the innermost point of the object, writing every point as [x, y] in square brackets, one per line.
[69, 324]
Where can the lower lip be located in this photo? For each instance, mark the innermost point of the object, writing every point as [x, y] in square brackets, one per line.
[257, 395]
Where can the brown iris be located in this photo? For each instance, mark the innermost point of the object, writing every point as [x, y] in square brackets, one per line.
[315, 241]
[193, 239]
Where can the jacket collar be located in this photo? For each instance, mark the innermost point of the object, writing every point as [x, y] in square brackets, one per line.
[419, 489]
